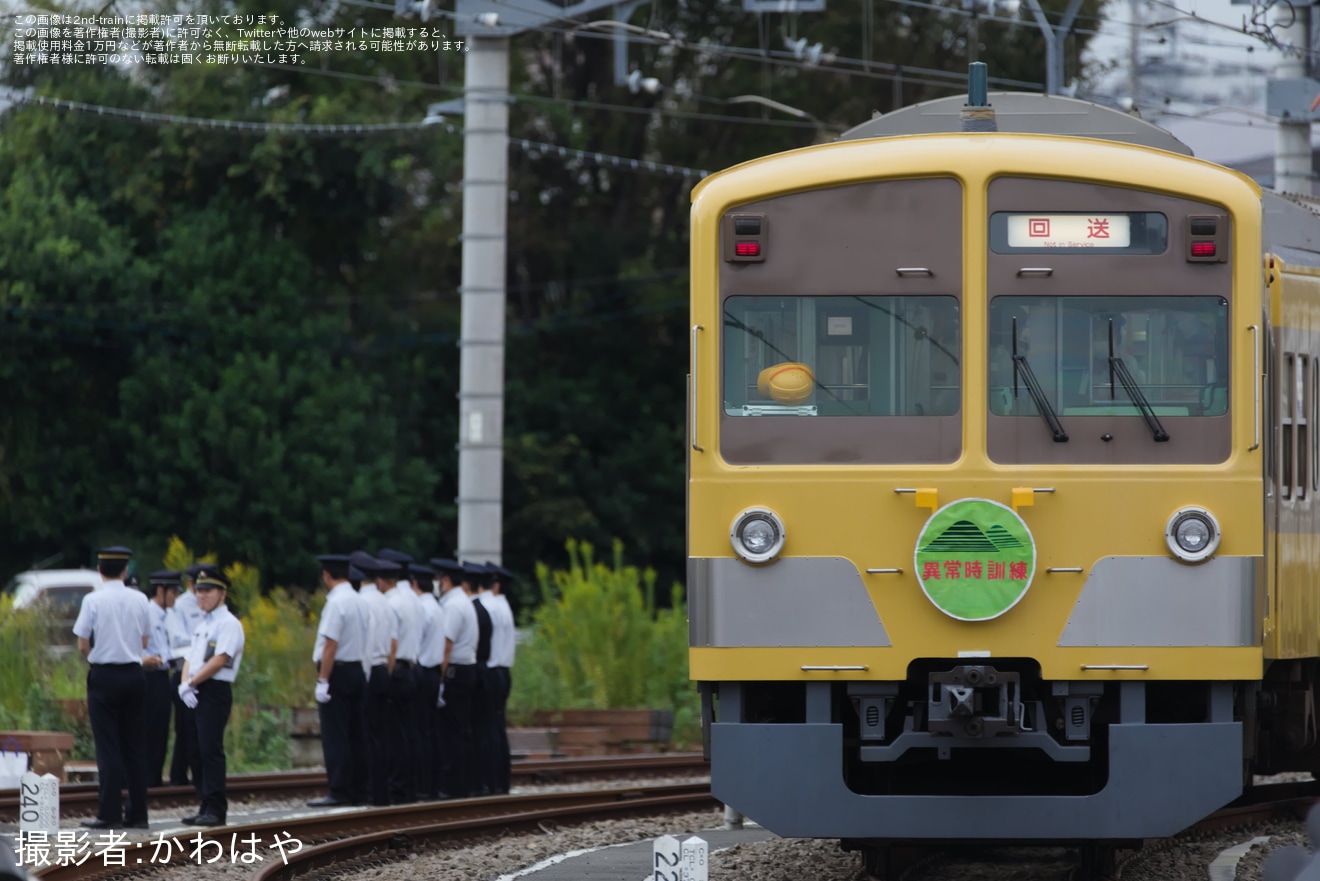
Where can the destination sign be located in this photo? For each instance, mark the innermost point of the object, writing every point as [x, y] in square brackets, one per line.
[1069, 230]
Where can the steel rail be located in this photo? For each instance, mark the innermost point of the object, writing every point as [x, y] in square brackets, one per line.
[80, 798]
[401, 842]
[344, 834]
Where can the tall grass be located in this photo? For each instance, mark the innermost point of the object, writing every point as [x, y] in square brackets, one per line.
[599, 641]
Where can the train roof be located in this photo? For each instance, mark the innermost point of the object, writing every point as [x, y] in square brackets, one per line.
[1023, 113]
[1292, 223]
[1292, 228]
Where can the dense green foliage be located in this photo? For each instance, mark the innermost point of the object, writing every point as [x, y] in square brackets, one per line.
[247, 339]
[599, 641]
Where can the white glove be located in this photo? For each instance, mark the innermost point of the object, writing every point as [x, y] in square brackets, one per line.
[188, 695]
[323, 691]
[440, 698]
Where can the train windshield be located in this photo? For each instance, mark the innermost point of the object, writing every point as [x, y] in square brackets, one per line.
[1174, 351]
[841, 356]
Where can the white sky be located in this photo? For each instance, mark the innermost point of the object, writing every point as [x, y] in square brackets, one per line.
[1224, 121]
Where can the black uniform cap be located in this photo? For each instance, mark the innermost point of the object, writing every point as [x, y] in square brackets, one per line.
[211, 578]
[354, 573]
[334, 558]
[504, 575]
[118, 552]
[164, 577]
[476, 570]
[196, 569]
[447, 567]
[365, 563]
[388, 568]
[399, 558]
[421, 569]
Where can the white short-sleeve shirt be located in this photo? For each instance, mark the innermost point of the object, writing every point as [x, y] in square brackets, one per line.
[408, 615]
[220, 633]
[115, 618]
[345, 619]
[384, 625]
[460, 626]
[432, 653]
[503, 633]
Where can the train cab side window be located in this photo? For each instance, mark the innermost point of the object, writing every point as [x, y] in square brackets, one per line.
[1295, 441]
[1313, 402]
[1286, 445]
[841, 356]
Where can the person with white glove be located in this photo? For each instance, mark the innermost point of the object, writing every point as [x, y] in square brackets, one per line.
[440, 698]
[341, 644]
[206, 685]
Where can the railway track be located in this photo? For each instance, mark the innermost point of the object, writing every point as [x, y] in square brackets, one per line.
[380, 833]
[78, 799]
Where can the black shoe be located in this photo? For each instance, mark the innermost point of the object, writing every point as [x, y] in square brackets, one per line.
[99, 824]
[179, 783]
[207, 820]
[190, 819]
[328, 801]
[442, 795]
[141, 824]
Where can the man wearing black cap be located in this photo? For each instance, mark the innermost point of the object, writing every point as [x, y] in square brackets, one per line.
[113, 627]
[430, 656]
[188, 615]
[382, 643]
[207, 688]
[341, 645]
[483, 762]
[156, 662]
[499, 672]
[458, 681]
[405, 740]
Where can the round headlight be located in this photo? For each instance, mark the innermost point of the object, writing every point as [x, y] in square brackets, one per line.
[1192, 534]
[757, 535]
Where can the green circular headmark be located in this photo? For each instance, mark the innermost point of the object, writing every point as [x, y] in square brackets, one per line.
[975, 559]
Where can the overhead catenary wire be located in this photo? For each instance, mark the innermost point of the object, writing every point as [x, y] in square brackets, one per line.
[623, 163]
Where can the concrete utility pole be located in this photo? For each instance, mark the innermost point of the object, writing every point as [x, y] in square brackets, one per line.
[487, 26]
[1291, 97]
[481, 353]
[1054, 37]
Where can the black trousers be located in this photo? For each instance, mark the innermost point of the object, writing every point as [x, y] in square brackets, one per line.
[184, 758]
[157, 701]
[498, 682]
[456, 725]
[378, 711]
[116, 694]
[403, 740]
[424, 721]
[344, 733]
[483, 759]
[215, 699]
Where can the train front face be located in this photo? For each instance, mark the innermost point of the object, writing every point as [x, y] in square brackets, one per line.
[975, 501]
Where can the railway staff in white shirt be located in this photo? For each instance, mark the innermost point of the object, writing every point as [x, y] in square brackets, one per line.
[113, 627]
[341, 647]
[459, 678]
[214, 658]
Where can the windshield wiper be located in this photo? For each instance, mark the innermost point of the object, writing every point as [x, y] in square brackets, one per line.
[1119, 369]
[1023, 369]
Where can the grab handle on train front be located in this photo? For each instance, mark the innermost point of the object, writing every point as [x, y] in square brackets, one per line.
[692, 392]
[1255, 381]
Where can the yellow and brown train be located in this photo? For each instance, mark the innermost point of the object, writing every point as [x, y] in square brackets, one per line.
[1003, 477]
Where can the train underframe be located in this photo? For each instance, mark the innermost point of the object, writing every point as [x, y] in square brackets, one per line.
[968, 749]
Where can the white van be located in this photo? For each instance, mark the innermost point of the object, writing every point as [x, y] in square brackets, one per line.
[63, 589]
